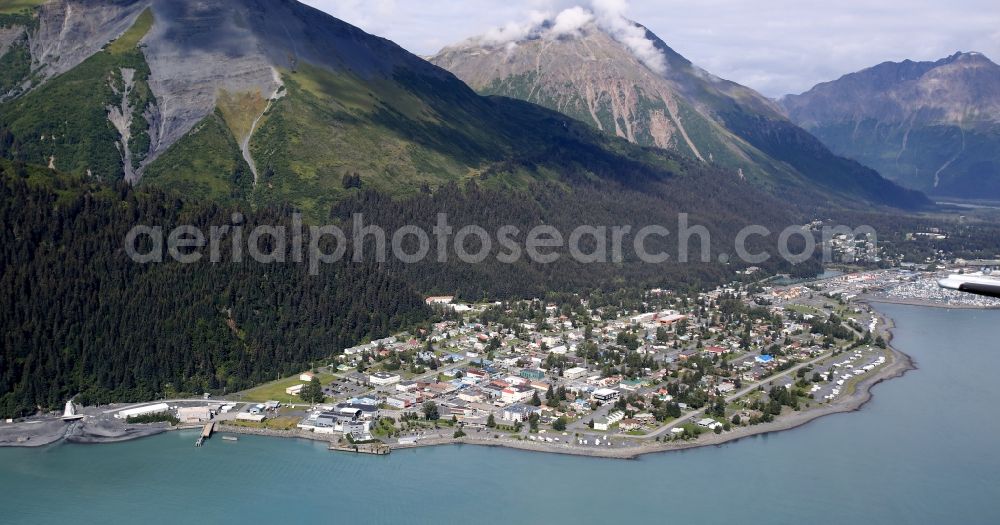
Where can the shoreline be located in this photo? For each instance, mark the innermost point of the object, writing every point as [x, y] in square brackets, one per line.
[901, 364]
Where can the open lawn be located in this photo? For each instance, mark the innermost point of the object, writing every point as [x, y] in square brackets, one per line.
[278, 423]
[275, 390]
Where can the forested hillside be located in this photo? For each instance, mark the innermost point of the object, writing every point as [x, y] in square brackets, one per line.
[77, 316]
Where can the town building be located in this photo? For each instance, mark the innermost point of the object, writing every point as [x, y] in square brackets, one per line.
[383, 379]
[518, 413]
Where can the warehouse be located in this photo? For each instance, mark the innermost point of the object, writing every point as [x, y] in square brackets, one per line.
[142, 411]
[194, 414]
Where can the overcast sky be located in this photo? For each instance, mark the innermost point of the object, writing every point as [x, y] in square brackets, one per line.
[774, 46]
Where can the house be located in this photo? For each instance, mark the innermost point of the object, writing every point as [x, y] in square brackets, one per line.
[559, 350]
[295, 390]
[628, 425]
[716, 350]
[306, 376]
[518, 412]
[645, 418]
[709, 423]
[764, 359]
[383, 379]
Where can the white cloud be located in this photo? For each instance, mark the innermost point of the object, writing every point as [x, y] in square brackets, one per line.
[774, 46]
[514, 31]
[608, 14]
[570, 21]
[611, 15]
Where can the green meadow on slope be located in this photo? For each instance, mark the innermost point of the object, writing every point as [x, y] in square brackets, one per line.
[64, 122]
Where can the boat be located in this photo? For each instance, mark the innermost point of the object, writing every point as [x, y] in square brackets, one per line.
[230, 438]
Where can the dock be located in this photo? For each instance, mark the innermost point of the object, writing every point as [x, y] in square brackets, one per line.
[206, 433]
[377, 449]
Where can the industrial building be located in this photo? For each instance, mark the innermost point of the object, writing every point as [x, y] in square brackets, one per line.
[194, 414]
[143, 411]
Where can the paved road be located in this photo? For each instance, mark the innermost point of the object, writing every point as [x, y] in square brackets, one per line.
[738, 394]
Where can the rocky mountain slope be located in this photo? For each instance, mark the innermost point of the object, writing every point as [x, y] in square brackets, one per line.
[272, 101]
[932, 126]
[622, 79]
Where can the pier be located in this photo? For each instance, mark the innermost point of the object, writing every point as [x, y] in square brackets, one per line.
[206, 433]
[377, 449]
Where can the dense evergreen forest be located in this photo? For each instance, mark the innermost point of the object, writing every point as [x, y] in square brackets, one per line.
[77, 316]
[714, 200]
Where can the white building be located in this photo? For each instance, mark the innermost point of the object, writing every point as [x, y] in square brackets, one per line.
[143, 411]
[194, 414]
[516, 394]
[605, 423]
[401, 400]
[383, 379]
[605, 395]
[575, 373]
[519, 413]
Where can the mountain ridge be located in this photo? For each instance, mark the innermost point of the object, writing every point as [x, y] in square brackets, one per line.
[932, 125]
[591, 76]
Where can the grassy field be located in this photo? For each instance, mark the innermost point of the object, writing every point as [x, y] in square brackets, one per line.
[275, 390]
[278, 423]
[802, 309]
[8, 7]
[206, 164]
[239, 110]
[70, 111]
[128, 41]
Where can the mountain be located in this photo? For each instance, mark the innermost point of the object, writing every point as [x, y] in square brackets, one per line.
[271, 101]
[931, 126]
[262, 100]
[622, 79]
